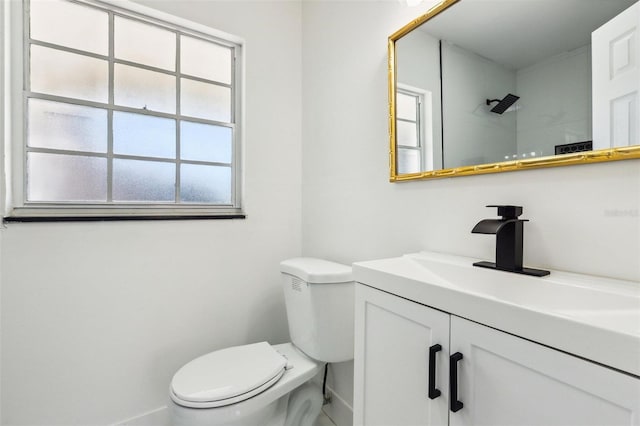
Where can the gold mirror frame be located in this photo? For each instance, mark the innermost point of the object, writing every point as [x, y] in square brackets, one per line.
[586, 157]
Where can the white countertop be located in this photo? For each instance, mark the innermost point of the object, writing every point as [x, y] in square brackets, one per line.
[591, 317]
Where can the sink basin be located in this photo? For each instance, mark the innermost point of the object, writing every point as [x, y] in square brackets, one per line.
[583, 297]
[593, 317]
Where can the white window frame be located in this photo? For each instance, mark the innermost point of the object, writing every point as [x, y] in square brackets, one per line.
[13, 54]
[424, 122]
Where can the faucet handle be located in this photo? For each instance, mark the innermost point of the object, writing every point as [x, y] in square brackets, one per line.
[508, 212]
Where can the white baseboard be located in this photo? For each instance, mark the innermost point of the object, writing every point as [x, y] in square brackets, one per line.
[157, 417]
[339, 411]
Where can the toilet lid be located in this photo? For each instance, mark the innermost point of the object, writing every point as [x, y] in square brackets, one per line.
[229, 375]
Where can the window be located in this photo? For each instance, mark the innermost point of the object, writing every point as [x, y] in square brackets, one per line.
[126, 114]
[414, 130]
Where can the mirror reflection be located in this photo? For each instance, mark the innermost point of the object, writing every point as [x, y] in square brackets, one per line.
[493, 81]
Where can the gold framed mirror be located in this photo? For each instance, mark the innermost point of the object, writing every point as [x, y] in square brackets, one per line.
[488, 86]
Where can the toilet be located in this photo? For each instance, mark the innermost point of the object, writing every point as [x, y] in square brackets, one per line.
[260, 384]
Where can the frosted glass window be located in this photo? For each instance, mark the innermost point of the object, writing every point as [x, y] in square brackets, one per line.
[144, 44]
[205, 184]
[406, 106]
[204, 100]
[70, 24]
[204, 59]
[56, 72]
[407, 133]
[58, 125]
[408, 161]
[205, 142]
[55, 177]
[143, 89]
[121, 109]
[143, 135]
[145, 181]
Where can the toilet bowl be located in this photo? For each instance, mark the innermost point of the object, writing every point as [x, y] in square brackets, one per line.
[270, 385]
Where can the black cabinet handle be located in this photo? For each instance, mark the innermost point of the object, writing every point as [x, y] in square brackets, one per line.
[433, 392]
[453, 382]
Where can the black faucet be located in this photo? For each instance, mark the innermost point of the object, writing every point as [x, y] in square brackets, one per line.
[509, 237]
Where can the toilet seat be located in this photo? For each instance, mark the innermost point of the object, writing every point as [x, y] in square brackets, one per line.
[227, 376]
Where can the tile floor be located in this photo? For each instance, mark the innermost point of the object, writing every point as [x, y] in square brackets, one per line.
[323, 420]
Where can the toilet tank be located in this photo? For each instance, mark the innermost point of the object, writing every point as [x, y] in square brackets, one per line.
[319, 299]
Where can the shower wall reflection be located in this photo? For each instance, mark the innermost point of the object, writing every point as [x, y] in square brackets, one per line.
[554, 108]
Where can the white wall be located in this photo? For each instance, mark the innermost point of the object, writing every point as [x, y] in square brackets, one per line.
[468, 80]
[96, 317]
[555, 102]
[583, 218]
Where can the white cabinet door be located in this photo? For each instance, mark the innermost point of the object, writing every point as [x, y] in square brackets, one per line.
[506, 380]
[393, 338]
[616, 81]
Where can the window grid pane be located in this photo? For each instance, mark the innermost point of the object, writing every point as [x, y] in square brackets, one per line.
[134, 153]
[63, 126]
[205, 142]
[408, 161]
[202, 100]
[61, 73]
[144, 44]
[70, 24]
[203, 59]
[55, 177]
[205, 184]
[143, 89]
[143, 135]
[143, 181]
[406, 106]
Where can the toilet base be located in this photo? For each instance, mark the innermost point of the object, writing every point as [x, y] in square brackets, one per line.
[299, 408]
[305, 403]
[272, 415]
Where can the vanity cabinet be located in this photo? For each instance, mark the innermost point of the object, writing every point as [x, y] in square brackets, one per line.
[392, 342]
[484, 376]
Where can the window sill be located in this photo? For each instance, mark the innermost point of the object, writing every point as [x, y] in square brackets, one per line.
[10, 219]
[119, 213]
